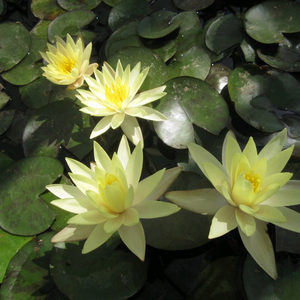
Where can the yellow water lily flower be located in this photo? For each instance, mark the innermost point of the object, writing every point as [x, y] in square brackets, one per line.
[113, 96]
[250, 190]
[68, 62]
[108, 197]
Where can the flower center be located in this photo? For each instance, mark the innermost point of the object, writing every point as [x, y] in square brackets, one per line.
[66, 65]
[116, 93]
[255, 181]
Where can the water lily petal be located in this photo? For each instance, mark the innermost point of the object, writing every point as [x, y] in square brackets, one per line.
[84, 183]
[114, 197]
[73, 233]
[79, 168]
[223, 222]
[91, 217]
[202, 201]
[230, 147]
[250, 151]
[267, 193]
[124, 152]
[131, 217]
[102, 126]
[112, 225]
[132, 130]
[146, 113]
[134, 238]
[148, 96]
[155, 209]
[242, 192]
[70, 205]
[101, 158]
[136, 84]
[284, 197]
[269, 214]
[246, 222]
[292, 220]
[97, 238]
[260, 248]
[279, 178]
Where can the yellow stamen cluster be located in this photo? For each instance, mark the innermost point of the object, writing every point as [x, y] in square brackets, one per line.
[65, 65]
[116, 93]
[255, 181]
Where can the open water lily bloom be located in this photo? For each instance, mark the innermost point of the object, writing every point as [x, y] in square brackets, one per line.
[250, 190]
[108, 197]
[113, 96]
[68, 62]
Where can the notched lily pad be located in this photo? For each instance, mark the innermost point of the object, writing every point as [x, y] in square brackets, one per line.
[218, 76]
[46, 9]
[189, 101]
[14, 44]
[70, 5]
[193, 4]
[6, 118]
[158, 24]
[3, 99]
[267, 21]
[40, 30]
[22, 212]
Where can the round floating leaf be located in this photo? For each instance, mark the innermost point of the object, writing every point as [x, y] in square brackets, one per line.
[10, 245]
[3, 99]
[189, 101]
[46, 9]
[69, 23]
[6, 118]
[40, 30]
[22, 212]
[123, 37]
[224, 33]
[27, 70]
[74, 4]
[112, 2]
[218, 76]
[127, 10]
[157, 74]
[15, 131]
[158, 24]
[183, 230]
[194, 62]
[267, 21]
[4, 161]
[263, 95]
[56, 123]
[15, 43]
[258, 285]
[103, 274]
[166, 51]
[28, 271]
[193, 4]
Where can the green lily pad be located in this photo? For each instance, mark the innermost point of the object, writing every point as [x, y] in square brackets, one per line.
[10, 245]
[112, 2]
[260, 286]
[40, 30]
[218, 76]
[123, 12]
[5, 161]
[158, 24]
[20, 185]
[183, 230]
[157, 74]
[224, 33]
[62, 216]
[194, 62]
[193, 4]
[27, 70]
[3, 99]
[70, 23]
[262, 95]
[189, 101]
[166, 51]
[6, 118]
[28, 271]
[46, 9]
[15, 131]
[58, 123]
[103, 274]
[267, 21]
[74, 4]
[123, 37]
[248, 49]
[15, 43]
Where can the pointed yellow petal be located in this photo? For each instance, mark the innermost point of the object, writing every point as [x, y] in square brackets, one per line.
[284, 197]
[230, 147]
[132, 130]
[292, 220]
[115, 197]
[250, 151]
[102, 126]
[269, 214]
[242, 192]
[84, 183]
[117, 120]
[129, 197]
[101, 158]
[70, 205]
[134, 238]
[223, 222]
[278, 178]
[124, 152]
[79, 168]
[246, 222]
[260, 248]
[92, 217]
[112, 225]
[131, 217]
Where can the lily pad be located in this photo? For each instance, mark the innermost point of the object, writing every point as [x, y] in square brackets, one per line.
[259, 286]
[263, 95]
[3, 99]
[166, 51]
[58, 123]
[193, 4]
[124, 12]
[267, 21]
[158, 24]
[157, 74]
[27, 70]
[123, 37]
[224, 33]
[28, 271]
[10, 245]
[218, 76]
[40, 30]
[183, 230]
[70, 5]
[15, 43]
[69, 23]
[15, 131]
[22, 212]
[189, 101]
[5, 161]
[46, 9]
[96, 275]
[6, 118]
[194, 62]
[112, 2]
